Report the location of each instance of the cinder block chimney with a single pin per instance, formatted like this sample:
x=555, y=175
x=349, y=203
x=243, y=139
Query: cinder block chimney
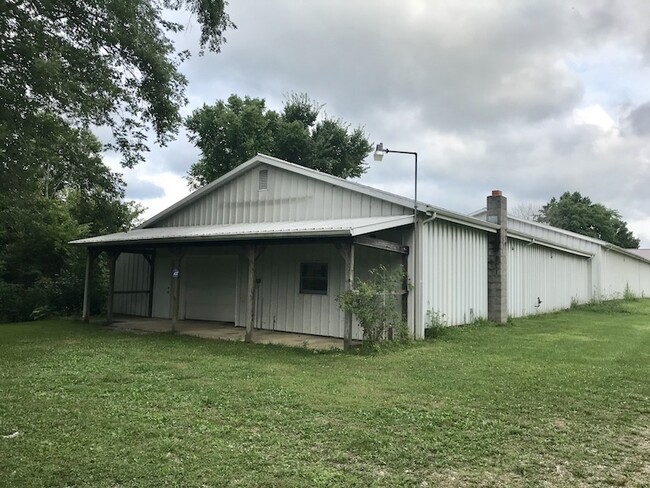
x=497, y=213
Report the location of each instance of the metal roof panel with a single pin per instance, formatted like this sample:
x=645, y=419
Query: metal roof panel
x=314, y=228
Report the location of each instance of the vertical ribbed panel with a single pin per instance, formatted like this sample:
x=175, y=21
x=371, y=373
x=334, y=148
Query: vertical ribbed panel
x=288, y=197
x=554, y=277
x=453, y=272
x=283, y=307
x=620, y=272
x=131, y=275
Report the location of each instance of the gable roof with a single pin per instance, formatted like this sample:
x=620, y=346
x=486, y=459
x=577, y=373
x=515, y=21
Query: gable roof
x=319, y=176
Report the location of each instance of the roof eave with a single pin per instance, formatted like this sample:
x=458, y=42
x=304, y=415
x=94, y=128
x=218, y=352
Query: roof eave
x=215, y=239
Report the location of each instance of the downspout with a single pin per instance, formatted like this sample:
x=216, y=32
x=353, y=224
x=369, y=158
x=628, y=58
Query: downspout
x=433, y=217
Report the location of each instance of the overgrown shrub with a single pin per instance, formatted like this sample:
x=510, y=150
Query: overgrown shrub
x=60, y=295
x=16, y=302
x=376, y=303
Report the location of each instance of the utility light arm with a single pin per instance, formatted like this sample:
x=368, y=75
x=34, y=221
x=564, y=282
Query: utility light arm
x=380, y=151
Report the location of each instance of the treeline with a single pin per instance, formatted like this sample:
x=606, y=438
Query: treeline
x=47, y=198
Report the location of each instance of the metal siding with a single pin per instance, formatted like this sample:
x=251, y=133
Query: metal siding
x=282, y=305
x=210, y=287
x=289, y=197
x=131, y=275
x=619, y=272
x=556, y=278
x=453, y=272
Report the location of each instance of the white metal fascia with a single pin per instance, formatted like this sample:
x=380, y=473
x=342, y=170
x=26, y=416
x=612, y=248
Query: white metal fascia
x=540, y=242
x=467, y=221
x=389, y=223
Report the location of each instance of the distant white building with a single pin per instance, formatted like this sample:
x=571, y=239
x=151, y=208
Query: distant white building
x=271, y=245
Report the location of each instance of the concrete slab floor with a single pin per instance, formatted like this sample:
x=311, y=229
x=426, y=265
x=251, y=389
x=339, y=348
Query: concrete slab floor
x=224, y=331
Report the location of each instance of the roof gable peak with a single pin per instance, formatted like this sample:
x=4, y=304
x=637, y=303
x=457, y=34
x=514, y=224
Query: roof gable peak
x=260, y=159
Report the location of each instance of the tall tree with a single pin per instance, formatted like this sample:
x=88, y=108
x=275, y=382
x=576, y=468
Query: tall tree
x=54, y=197
x=67, y=66
x=96, y=62
x=230, y=132
x=579, y=214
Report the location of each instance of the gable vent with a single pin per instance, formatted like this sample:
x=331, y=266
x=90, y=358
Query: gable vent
x=263, y=179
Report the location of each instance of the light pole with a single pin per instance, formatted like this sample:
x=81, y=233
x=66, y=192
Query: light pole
x=380, y=151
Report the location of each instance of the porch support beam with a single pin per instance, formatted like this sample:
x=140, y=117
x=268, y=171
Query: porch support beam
x=252, y=253
x=346, y=249
x=151, y=259
x=112, y=259
x=381, y=244
x=177, y=257
x=90, y=258
x=405, y=290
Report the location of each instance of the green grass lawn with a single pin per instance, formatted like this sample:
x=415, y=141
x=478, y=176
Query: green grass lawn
x=556, y=400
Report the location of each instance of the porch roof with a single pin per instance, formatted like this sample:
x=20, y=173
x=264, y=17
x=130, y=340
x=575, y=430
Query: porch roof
x=260, y=230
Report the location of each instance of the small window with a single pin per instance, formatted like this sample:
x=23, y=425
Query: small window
x=313, y=278
x=263, y=179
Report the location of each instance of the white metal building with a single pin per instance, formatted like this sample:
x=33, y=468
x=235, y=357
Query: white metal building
x=271, y=245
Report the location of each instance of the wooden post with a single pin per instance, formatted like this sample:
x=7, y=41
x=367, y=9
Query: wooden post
x=85, y=314
x=252, y=253
x=405, y=286
x=177, y=257
x=151, y=259
x=112, y=258
x=347, y=251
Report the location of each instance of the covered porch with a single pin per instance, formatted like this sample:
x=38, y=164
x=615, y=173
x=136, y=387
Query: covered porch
x=264, y=278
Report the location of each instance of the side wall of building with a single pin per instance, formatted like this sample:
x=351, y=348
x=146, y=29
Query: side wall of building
x=621, y=273
x=541, y=279
x=453, y=277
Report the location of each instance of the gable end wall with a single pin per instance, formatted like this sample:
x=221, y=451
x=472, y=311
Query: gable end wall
x=289, y=197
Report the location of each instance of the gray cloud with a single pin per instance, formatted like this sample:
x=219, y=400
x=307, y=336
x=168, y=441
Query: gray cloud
x=639, y=120
x=142, y=190
x=176, y=157
x=464, y=65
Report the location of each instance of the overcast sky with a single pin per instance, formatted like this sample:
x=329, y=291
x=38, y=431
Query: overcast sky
x=530, y=97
